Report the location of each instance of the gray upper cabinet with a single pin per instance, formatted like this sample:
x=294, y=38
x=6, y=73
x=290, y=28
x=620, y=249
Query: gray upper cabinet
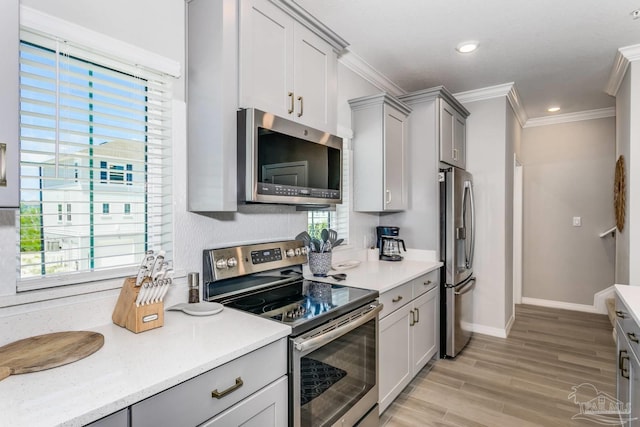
x=379, y=153
x=9, y=104
x=286, y=68
x=448, y=117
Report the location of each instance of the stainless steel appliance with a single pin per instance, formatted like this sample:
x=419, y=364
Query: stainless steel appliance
x=281, y=161
x=389, y=243
x=457, y=241
x=333, y=347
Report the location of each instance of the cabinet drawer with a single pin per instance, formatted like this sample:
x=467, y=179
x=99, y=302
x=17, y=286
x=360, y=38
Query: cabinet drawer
x=191, y=403
x=629, y=326
x=396, y=298
x=424, y=284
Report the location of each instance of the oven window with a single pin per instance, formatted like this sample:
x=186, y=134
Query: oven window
x=334, y=377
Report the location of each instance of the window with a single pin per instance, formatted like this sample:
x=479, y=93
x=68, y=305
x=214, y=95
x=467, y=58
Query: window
x=89, y=124
x=127, y=208
x=339, y=219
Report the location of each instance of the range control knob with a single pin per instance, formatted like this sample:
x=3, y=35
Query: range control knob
x=290, y=253
x=298, y=251
x=232, y=262
x=221, y=264
x=304, y=250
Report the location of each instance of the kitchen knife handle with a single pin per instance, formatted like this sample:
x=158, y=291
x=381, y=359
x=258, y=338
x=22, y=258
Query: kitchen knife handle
x=220, y=394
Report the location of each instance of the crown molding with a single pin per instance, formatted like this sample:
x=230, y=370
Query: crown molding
x=507, y=90
x=624, y=57
x=370, y=74
x=571, y=117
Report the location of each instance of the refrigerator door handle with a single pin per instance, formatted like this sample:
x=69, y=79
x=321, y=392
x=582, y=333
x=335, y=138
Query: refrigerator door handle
x=466, y=288
x=468, y=192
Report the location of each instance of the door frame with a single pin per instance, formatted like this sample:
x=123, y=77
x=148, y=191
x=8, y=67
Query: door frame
x=518, y=190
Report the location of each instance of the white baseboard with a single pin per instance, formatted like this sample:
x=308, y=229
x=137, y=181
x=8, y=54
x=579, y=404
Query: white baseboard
x=488, y=330
x=510, y=323
x=598, y=306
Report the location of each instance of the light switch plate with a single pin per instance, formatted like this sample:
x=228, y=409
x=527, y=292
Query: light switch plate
x=577, y=221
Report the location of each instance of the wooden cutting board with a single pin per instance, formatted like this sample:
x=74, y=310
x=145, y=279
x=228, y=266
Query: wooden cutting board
x=47, y=351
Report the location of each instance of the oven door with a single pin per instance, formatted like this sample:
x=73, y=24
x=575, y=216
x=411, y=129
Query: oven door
x=334, y=370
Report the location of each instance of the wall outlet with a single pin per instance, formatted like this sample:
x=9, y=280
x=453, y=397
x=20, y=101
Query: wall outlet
x=577, y=221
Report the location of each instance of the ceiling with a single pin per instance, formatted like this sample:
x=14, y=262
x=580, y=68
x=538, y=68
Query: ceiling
x=557, y=52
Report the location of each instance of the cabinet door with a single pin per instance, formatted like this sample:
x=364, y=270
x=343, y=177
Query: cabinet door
x=266, y=58
x=266, y=408
x=459, y=141
x=395, y=126
x=425, y=329
x=315, y=81
x=395, y=363
x=9, y=104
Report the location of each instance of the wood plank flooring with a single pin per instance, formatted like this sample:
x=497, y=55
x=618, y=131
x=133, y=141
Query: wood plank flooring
x=523, y=380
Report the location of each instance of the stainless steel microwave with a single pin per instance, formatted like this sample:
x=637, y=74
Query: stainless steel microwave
x=282, y=161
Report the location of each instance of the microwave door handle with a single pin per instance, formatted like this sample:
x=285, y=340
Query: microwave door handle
x=310, y=344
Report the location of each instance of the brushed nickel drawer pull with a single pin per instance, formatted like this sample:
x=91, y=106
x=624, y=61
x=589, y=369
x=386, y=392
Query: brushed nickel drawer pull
x=624, y=372
x=620, y=314
x=428, y=282
x=413, y=318
x=417, y=315
x=290, y=110
x=301, y=106
x=632, y=337
x=396, y=299
x=220, y=394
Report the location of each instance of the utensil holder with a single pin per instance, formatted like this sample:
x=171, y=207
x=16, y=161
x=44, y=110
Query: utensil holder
x=320, y=263
x=136, y=318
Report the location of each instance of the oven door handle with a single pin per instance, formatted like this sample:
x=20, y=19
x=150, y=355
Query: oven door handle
x=303, y=345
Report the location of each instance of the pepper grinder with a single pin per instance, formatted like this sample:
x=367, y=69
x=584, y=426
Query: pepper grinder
x=194, y=287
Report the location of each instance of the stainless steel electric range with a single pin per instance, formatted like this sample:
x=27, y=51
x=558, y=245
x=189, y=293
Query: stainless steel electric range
x=333, y=348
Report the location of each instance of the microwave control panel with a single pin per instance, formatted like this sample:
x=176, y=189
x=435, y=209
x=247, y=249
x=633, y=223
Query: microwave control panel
x=290, y=190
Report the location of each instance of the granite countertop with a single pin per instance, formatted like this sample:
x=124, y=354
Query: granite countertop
x=131, y=367
x=630, y=295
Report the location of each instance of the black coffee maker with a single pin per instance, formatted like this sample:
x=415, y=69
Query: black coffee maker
x=389, y=243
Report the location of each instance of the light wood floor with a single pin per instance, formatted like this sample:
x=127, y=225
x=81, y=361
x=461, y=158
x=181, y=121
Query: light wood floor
x=523, y=380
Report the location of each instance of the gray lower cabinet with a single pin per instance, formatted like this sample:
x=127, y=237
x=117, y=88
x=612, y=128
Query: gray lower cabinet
x=409, y=328
x=628, y=377
x=117, y=419
x=248, y=391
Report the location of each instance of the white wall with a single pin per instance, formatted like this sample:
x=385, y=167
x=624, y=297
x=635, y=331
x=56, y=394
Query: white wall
x=512, y=145
x=158, y=26
x=623, y=147
x=488, y=156
x=568, y=171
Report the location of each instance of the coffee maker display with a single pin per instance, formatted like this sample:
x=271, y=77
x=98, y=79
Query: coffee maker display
x=389, y=243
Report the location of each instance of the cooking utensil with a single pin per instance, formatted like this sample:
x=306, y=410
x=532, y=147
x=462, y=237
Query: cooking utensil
x=338, y=276
x=333, y=236
x=338, y=242
x=324, y=235
x=47, y=351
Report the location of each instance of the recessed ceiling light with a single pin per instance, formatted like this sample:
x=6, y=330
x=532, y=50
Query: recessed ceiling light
x=467, y=47
x=553, y=109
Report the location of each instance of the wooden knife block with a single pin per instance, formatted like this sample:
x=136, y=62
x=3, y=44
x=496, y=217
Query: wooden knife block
x=136, y=319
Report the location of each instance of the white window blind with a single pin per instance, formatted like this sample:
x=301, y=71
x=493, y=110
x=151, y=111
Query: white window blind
x=95, y=136
x=338, y=219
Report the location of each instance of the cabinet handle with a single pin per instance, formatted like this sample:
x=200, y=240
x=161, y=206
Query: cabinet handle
x=3, y=165
x=417, y=315
x=428, y=282
x=632, y=337
x=301, y=106
x=413, y=318
x=620, y=314
x=291, y=106
x=454, y=153
x=624, y=372
x=220, y=394
x=396, y=299
x=388, y=197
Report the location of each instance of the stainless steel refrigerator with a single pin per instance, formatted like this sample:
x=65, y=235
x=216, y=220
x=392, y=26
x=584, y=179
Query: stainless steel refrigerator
x=457, y=241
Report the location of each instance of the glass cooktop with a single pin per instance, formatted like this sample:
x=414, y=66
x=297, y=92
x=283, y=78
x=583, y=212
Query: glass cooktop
x=303, y=304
